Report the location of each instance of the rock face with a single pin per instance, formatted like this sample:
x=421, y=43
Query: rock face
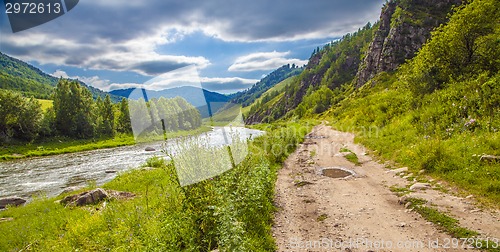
x=404, y=27
x=15, y=201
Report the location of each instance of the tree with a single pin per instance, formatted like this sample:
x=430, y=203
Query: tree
x=74, y=110
x=20, y=118
x=107, y=117
x=48, y=123
x=140, y=117
x=123, y=124
x=63, y=108
x=85, y=111
x=29, y=121
x=462, y=49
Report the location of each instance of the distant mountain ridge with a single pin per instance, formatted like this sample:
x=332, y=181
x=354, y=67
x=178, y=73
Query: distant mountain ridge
x=20, y=76
x=198, y=97
x=247, y=97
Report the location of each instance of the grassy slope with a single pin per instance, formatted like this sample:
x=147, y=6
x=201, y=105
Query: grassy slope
x=439, y=113
x=227, y=116
x=278, y=87
x=421, y=138
x=232, y=212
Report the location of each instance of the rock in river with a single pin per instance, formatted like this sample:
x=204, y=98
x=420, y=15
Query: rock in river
x=15, y=201
x=150, y=149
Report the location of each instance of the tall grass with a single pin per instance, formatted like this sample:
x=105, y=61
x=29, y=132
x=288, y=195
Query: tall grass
x=231, y=212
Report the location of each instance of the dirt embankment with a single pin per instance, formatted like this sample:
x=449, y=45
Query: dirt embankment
x=359, y=212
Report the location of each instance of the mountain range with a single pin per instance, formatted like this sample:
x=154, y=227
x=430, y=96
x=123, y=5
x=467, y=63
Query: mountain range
x=198, y=97
x=20, y=76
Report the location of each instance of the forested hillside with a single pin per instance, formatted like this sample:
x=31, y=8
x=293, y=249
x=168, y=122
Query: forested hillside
x=404, y=26
x=437, y=113
x=247, y=97
x=333, y=65
x=20, y=76
x=440, y=112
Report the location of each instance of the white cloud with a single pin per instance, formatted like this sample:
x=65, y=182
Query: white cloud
x=263, y=61
x=94, y=81
x=60, y=74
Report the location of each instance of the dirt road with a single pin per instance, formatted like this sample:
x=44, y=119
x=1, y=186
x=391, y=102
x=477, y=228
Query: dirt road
x=359, y=212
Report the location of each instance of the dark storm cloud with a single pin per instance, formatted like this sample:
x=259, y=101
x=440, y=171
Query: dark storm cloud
x=118, y=21
x=229, y=20
x=157, y=67
x=124, y=35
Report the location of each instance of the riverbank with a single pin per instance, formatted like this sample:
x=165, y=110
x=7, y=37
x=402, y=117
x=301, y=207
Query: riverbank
x=231, y=212
x=62, y=146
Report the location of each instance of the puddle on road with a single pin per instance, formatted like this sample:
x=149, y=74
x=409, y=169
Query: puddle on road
x=336, y=172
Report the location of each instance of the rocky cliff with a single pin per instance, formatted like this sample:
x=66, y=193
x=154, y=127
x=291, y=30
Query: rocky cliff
x=405, y=25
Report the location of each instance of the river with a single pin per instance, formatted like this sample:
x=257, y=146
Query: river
x=49, y=176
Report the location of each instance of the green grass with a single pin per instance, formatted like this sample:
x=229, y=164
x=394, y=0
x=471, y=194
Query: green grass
x=322, y=217
x=400, y=191
x=58, y=146
x=312, y=153
x=229, y=115
x=451, y=225
x=302, y=183
x=447, y=223
x=46, y=104
x=352, y=157
x=231, y=212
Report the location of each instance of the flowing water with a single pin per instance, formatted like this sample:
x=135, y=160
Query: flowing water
x=51, y=175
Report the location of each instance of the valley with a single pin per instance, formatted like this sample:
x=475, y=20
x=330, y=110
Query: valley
x=386, y=140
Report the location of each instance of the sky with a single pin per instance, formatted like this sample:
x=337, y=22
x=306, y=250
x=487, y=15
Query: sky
x=228, y=45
